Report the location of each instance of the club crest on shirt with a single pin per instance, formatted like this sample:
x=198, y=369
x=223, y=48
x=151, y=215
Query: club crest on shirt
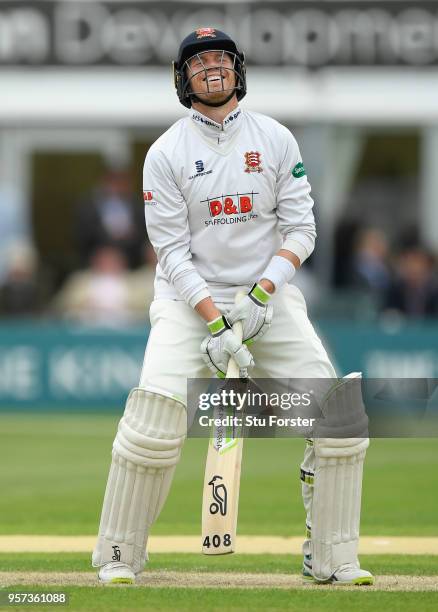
x=204, y=32
x=253, y=161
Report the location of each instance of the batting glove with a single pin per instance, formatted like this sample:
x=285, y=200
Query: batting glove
x=222, y=344
x=254, y=312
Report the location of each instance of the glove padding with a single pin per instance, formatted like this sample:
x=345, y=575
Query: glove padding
x=217, y=349
x=254, y=312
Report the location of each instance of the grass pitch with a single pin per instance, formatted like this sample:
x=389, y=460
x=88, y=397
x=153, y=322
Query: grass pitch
x=383, y=565
x=171, y=582
x=58, y=465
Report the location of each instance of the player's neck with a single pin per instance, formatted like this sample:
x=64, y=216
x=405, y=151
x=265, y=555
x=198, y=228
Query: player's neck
x=217, y=113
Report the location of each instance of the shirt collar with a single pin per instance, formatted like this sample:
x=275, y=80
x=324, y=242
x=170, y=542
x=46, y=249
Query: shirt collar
x=210, y=128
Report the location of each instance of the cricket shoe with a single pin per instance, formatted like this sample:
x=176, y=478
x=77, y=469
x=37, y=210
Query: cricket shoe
x=307, y=568
x=348, y=573
x=116, y=573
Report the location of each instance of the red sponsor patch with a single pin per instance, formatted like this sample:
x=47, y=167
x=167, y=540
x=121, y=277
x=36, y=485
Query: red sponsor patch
x=147, y=196
x=205, y=32
x=233, y=204
x=253, y=161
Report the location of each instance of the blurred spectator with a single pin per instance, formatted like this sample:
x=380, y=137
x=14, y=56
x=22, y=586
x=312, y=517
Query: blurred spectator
x=414, y=292
x=13, y=225
x=20, y=292
x=370, y=268
x=101, y=294
x=111, y=215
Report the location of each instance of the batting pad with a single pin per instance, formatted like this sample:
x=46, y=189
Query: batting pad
x=338, y=480
x=146, y=450
x=307, y=476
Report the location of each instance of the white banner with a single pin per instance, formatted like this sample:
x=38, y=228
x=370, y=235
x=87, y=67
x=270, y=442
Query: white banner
x=310, y=33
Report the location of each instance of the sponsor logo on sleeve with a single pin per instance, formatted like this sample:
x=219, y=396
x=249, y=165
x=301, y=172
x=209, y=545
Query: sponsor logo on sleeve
x=148, y=198
x=230, y=208
x=253, y=161
x=299, y=170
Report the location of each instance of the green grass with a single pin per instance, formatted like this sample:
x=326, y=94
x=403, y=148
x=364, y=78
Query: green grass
x=57, y=467
x=228, y=600
x=151, y=598
x=408, y=565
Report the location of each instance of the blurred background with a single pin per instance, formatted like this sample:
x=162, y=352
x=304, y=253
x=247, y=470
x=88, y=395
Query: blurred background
x=86, y=88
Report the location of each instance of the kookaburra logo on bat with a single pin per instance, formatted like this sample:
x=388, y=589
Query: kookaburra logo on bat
x=219, y=492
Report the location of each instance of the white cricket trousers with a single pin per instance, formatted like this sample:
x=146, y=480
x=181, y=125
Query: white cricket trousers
x=289, y=349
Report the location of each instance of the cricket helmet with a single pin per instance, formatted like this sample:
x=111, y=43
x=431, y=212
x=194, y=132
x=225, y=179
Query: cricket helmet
x=197, y=43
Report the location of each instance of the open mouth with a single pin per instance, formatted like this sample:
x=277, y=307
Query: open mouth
x=216, y=78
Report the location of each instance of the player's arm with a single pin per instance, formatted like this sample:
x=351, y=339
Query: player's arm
x=297, y=226
x=294, y=205
x=295, y=215
x=168, y=228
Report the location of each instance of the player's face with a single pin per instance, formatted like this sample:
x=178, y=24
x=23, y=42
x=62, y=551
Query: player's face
x=211, y=75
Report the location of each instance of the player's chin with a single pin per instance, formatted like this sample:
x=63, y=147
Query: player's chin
x=214, y=96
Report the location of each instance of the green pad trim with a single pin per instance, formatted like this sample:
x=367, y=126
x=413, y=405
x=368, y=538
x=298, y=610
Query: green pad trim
x=307, y=477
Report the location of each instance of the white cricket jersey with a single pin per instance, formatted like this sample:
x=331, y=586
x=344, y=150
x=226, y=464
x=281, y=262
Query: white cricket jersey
x=221, y=200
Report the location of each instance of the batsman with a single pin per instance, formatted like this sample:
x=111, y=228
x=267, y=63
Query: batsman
x=228, y=208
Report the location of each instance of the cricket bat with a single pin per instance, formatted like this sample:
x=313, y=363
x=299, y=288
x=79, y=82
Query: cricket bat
x=222, y=477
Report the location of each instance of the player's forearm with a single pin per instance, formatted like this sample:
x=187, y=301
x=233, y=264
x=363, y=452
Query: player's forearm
x=182, y=274
x=276, y=275
x=207, y=310
x=294, y=259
